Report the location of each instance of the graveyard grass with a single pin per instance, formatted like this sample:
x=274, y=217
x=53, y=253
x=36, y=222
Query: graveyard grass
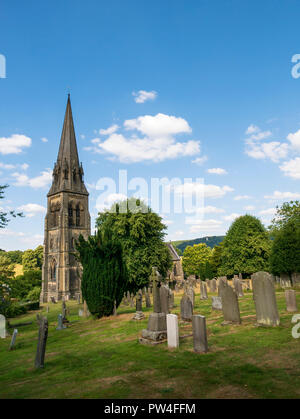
x=103, y=358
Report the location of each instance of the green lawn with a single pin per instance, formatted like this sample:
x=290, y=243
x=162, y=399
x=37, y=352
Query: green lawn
x=103, y=359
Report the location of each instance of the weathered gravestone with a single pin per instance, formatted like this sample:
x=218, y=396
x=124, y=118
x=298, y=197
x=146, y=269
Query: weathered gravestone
x=78, y=299
x=60, y=325
x=221, y=281
x=172, y=331
x=13, y=340
x=230, y=304
x=265, y=299
x=80, y=313
x=164, y=299
x=156, y=331
x=190, y=293
x=213, y=285
x=47, y=309
x=41, y=346
x=171, y=299
x=238, y=287
x=64, y=312
x=199, y=333
x=53, y=300
x=296, y=279
x=147, y=298
x=186, y=308
x=203, y=291
x=290, y=298
x=285, y=281
x=216, y=303
x=139, y=315
x=2, y=327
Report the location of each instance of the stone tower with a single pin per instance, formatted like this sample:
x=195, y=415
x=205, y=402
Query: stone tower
x=67, y=217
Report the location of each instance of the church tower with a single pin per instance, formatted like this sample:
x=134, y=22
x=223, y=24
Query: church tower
x=67, y=217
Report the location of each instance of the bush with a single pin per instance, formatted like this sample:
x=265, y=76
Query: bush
x=34, y=294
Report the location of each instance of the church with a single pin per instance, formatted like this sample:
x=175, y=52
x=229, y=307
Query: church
x=67, y=217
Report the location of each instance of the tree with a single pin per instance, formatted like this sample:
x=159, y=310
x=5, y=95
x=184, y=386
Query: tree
x=285, y=254
x=104, y=276
x=4, y=216
x=215, y=259
x=141, y=233
x=195, y=259
x=246, y=247
x=15, y=256
x=32, y=259
x=283, y=215
x=21, y=285
x=6, y=273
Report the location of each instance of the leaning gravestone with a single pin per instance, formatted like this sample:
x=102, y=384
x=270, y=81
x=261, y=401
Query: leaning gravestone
x=139, y=315
x=203, y=290
x=265, y=299
x=291, y=303
x=199, y=333
x=2, y=327
x=221, y=281
x=53, y=300
x=216, y=303
x=186, y=308
x=156, y=331
x=230, y=305
x=13, y=340
x=41, y=346
x=172, y=331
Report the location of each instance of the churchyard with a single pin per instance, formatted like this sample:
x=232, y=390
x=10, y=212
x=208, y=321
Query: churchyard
x=103, y=358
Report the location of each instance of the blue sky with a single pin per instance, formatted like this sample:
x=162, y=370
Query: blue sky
x=188, y=89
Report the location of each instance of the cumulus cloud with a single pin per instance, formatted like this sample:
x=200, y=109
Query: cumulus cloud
x=291, y=168
x=110, y=130
x=269, y=211
x=44, y=140
x=294, y=139
x=209, y=210
x=249, y=208
x=240, y=197
x=157, y=142
x=142, y=96
x=200, y=160
x=273, y=150
x=277, y=195
x=207, y=191
x=231, y=217
x=217, y=171
x=5, y=166
x=14, y=144
x=105, y=202
x=41, y=181
x=204, y=226
x=31, y=210
x=252, y=129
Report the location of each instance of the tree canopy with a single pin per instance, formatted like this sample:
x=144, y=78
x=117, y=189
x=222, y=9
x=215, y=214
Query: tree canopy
x=283, y=214
x=141, y=233
x=195, y=260
x=32, y=259
x=246, y=247
x=5, y=216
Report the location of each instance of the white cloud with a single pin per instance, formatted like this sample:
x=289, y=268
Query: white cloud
x=31, y=210
x=142, y=96
x=82, y=136
x=5, y=166
x=204, y=226
x=294, y=139
x=41, y=181
x=249, y=208
x=277, y=195
x=44, y=140
x=217, y=171
x=107, y=201
x=6, y=232
x=231, y=217
x=209, y=210
x=208, y=191
x=110, y=130
x=240, y=197
x=200, y=160
x=291, y=168
x=269, y=211
x=252, y=129
x=14, y=144
x=158, y=143
x=273, y=150
x=260, y=135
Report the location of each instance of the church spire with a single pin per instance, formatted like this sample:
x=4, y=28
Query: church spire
x=67, y=172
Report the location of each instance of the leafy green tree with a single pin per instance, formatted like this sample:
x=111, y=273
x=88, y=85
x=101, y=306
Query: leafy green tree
x=246, y=247
x=6, y=274
x=141, y=233
x=15, y=256
x=21, y=285
x=285, y=254
x=284, y=214
x=195, y=258
x=4, y=216
x=32, y=259
x=215, y=259
x=104, y=276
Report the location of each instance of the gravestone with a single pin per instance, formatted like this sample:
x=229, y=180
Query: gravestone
x=53, y=300
x=47, y=309
x=291, y=303
x=296, y=279
x=230, y=305
x=131, y=300
x=80, y=313
x=285, y=281
x=238, y=287
x=147, y=298
x=199, y=333
x=78, y=299
x=213, y=285
x=156, y=331
x=64, y=312
x=189, y=292
x=240, y=276
x=164, y=299
x=60, y=322
x=2, y=327
x=171, y=299
x=41, y=346
x=115, y=308
x=265, y=299
x=203, y=290
x=186, y=308
x=172, y=331
x=216, y=303
x=221, y=281
x=13, y=340
x=139, y=315
x=86, y=312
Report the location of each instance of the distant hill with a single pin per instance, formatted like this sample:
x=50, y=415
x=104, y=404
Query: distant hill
x=211, y=241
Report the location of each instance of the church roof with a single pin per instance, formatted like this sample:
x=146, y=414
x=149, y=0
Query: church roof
x=174, y=254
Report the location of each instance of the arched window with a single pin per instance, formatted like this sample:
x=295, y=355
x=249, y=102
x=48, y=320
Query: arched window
x=53, y=270
x=77, y=215
x=70, y=214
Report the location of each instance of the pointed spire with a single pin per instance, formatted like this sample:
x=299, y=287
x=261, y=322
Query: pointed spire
x=68, y=147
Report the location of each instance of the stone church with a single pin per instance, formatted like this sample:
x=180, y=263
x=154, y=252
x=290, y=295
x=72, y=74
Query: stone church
x=67, y=217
